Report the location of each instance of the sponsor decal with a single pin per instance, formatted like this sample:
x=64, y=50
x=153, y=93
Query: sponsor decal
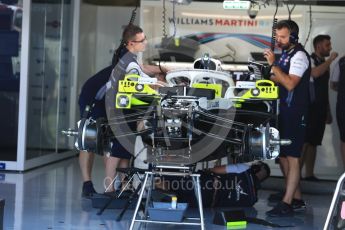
x=220, y=22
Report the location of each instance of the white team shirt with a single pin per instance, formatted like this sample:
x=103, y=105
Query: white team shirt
x=336, y=72
x=299, y=63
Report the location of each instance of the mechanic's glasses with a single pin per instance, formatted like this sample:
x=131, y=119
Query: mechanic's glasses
x=141, y=41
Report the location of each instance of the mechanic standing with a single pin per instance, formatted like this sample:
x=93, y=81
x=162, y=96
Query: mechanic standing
x=291, y=72
x=93, y=92
x=319, y=111
x=338, y=84
x=133, y=42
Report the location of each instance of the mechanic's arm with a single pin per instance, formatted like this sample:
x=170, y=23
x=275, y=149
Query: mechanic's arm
x=319, y=70
x=289, y=81
x=153, y=69
x=219, y=169
x=230, y=168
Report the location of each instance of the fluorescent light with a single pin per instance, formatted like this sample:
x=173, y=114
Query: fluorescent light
x=236, y=5
x=181, y=2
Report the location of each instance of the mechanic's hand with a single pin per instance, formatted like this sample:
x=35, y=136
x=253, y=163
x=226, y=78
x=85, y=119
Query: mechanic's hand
x=266, y=72
x=269, y=55
x=333, y=56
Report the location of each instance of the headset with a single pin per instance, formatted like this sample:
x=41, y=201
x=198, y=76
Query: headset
x=293, y=28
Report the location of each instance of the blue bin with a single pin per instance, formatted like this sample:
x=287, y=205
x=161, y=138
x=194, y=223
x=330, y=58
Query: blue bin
x=162, y=211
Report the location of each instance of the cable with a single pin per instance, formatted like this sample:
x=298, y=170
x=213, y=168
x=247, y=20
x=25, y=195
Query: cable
x=117, y=53
x=164, y=20
x=174, y=18
x=134, y=13
x=275, y=20
x=273, y=38
x=310, y=25
x=167, y=40
x=290, y=11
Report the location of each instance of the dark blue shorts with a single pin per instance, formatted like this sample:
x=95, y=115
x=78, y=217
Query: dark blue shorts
x=292, y=125
x=117, y=150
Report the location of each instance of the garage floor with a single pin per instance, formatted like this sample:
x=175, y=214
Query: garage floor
x=49, y=198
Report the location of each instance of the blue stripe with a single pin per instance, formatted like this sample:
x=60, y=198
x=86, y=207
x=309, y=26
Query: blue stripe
x=101, y=92
x=244, y=37
x=289, y=98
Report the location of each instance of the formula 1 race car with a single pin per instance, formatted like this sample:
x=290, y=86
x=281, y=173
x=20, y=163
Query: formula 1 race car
x=200, y=114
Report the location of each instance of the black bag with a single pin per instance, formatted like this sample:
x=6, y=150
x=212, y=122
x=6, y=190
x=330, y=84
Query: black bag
x=235, y=190
x=228, y=190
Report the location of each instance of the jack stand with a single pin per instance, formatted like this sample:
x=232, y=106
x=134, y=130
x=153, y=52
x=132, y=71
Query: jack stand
x=159, y=171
